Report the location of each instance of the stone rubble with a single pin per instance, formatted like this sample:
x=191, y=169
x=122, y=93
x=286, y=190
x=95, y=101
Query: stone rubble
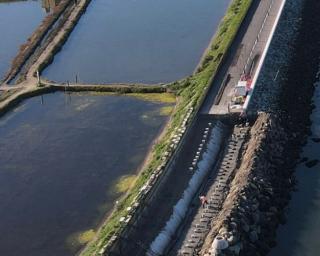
x=258, y=193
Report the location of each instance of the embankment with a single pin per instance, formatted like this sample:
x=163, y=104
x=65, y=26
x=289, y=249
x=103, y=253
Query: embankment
x=47, y=40
x=27, y=49
x=258, y=192
x=261, y=188
x=61, y=35
x=116, y=88
x=12, y=98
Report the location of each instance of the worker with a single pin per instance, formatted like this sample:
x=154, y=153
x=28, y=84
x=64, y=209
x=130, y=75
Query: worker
x=203, y=201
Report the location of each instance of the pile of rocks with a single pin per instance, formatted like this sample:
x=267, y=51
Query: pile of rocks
x=217, y=191
x=258, y=194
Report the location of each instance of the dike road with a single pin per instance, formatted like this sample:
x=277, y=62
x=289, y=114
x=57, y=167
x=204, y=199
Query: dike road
x=246, y=55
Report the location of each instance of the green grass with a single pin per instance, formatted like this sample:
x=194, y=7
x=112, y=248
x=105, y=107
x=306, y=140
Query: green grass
x=191, y=91
x=86, y=236
x=161, y=97
x=166, y=111
x=125, y=183
x=80, y=238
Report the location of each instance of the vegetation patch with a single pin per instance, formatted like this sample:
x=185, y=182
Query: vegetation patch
x=125, y=183
x=131, y=89
x=166, y=111
x=86, y=236
x=160, y=97
x=154, y=97
x=80, y=238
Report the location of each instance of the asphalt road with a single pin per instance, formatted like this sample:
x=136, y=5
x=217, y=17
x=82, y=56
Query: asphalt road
x=247, y=46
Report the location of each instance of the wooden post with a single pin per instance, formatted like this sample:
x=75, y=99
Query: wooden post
x=38, y=77
x=65, y=88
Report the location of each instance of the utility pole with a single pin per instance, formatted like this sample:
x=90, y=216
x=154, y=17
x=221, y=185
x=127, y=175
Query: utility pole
x=65, y=87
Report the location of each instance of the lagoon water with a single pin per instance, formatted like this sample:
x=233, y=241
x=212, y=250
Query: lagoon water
x=147, y=41
x=299, y=236
x=60, y=158
x=18, y=19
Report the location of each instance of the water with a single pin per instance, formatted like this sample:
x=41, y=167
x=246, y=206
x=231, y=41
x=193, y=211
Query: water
x=59, y=162
x=17, y=22
x=145, y=41
x=299, y=236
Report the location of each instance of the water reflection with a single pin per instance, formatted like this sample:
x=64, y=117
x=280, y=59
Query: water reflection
x=18, y=19
x=299, y=236
x=137, y=41
x=58, y=165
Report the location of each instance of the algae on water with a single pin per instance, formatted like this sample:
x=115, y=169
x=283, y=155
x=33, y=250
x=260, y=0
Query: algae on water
x=80, y=238
x=160, y=97
x=166, y=111
x=125, y=183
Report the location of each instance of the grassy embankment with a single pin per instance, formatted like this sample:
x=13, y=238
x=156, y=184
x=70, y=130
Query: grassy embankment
x=191, y=92
x=67, y=31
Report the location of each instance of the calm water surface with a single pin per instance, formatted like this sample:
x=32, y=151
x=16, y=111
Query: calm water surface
x=138, y=40
x=300, y=235
x=59, y=163
x=17, y=22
